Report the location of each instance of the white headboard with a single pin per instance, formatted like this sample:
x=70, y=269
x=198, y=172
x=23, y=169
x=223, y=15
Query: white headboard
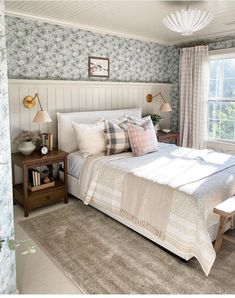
x=66, y=139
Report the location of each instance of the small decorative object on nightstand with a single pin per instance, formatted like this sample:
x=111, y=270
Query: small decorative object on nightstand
x=43, y=149
x=34, y=192
x=26, y=140
x=166, y=130
x=156, y=121
x=167, y=137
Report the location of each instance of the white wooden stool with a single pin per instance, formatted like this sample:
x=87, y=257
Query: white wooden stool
x=226, y=210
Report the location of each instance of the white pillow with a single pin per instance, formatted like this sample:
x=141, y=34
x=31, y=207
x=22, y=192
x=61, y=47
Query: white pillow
x=90, y=138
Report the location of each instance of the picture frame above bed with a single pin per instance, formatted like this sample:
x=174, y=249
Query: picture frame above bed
x=98, y=67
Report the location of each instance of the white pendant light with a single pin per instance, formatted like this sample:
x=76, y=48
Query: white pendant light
x=188, y=21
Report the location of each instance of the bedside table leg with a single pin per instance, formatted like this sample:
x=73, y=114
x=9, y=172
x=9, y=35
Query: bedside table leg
x=26, y=212
x=25, y=185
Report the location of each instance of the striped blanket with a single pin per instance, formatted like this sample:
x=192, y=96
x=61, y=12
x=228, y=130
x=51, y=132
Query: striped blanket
x=179, y=188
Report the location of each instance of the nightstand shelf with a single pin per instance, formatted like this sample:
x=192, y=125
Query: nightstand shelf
x=31, y=200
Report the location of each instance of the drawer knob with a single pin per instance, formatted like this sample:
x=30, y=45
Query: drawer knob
x=48, y=197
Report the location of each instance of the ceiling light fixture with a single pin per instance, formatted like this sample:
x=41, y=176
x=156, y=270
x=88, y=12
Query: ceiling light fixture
x=188, y=21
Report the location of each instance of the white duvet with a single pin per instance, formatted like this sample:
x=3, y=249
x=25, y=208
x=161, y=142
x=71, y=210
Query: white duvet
x=200, y=179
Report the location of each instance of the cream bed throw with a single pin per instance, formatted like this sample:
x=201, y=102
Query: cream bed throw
x=140, y=202
x=141, y=205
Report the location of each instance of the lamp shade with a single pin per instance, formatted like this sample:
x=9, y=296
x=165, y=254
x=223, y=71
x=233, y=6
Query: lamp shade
x=166, y=108
x=42, y=117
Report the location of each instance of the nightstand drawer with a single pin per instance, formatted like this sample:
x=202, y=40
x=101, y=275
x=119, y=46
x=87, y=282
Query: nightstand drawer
x=46, y=199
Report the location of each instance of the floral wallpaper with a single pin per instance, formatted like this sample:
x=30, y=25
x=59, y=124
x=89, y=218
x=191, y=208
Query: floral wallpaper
x=7, y=256
x=222, y=44
x=38, y=50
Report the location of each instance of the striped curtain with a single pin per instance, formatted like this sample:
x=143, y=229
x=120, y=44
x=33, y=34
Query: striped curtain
x=194, y=88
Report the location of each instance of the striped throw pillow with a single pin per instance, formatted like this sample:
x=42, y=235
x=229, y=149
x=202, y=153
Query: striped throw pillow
x=117, y=137
x=143, y=138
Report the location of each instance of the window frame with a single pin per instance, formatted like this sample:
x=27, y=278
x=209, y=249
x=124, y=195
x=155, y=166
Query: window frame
x=216, y=55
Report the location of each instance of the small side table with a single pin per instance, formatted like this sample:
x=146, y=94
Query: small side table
x=31, y=200
x=226, y=210
x=170, y=136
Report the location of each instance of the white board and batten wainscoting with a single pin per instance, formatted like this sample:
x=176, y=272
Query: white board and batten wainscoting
x=78, y=96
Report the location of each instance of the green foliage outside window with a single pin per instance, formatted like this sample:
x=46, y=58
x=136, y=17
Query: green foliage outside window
x=221, y=123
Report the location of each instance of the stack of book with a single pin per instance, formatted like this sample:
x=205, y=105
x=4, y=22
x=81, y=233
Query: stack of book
x=34, y=177
x=47, y=139
x=36, y=182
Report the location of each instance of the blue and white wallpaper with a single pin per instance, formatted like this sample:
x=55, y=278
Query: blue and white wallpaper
x=38, y=50
x=7, y=256
x=222, y=44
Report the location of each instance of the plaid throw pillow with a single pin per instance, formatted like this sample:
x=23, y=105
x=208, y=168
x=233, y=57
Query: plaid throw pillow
x=117, y=138
x=143, y=138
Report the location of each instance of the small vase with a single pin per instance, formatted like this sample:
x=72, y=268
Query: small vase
x=157, y=127
x=26, y=148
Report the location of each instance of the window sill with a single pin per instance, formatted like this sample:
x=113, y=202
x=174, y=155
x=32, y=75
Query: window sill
x=225, y=147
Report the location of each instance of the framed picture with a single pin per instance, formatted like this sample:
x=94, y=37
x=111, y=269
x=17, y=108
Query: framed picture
x=98, y=67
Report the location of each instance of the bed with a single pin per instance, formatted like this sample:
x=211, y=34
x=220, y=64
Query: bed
x=186, y=184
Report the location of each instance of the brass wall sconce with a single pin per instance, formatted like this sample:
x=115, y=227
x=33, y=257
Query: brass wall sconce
x=29, y=101
x=165, y=107
x=42, y=116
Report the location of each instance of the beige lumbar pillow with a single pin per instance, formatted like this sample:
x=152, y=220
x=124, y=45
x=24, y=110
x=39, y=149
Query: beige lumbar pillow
x=90, y=138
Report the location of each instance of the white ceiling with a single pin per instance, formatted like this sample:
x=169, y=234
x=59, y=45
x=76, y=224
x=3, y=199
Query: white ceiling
x=140, y=19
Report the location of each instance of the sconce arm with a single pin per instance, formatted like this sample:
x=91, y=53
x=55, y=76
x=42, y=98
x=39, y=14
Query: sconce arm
x=159, y=93
x=36, y=96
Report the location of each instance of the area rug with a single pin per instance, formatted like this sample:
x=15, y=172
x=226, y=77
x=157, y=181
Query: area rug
x=103, y=256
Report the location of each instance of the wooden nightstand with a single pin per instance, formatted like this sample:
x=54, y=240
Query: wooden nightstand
x=31, y=200
x=170, y=136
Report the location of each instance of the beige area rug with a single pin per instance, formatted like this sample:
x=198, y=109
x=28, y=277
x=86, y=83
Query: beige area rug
x=103, y=256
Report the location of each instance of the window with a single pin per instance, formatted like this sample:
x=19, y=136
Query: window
x=221, y=103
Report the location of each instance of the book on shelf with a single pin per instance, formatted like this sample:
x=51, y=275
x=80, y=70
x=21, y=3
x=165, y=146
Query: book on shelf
x=34, y=177
x=30, y=176
x=38, y=178
x=47, y=139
